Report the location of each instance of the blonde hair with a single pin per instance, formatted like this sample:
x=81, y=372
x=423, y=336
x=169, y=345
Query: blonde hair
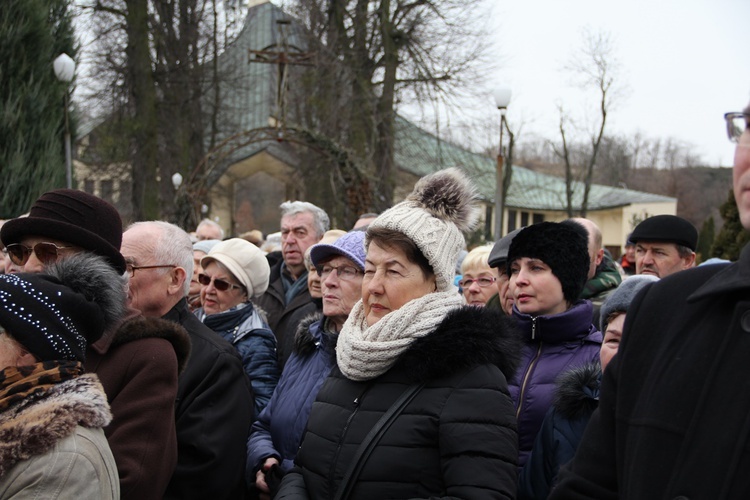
x=478, y=258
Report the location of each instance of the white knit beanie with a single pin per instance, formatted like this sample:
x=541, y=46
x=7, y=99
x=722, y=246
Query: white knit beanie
x=245, y=261
x=434, y=216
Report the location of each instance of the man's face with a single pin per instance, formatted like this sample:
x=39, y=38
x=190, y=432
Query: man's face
x=741, y=174
x=207, y=232
x=660, y=259
x=34, y=264
x=630, y=253
x=195, y=287
x=148, y=289
x=297, y=235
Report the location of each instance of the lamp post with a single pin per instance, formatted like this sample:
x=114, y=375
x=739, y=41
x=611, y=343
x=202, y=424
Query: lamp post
x=65, y=69
x=502, y=99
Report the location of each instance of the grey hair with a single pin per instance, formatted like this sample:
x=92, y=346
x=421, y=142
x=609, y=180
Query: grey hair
x=209, y=222
x=93, y=277
x=321, y=222
x=173, y=246
x=683, y=251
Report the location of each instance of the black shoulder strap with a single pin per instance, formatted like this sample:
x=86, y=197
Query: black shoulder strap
x=372, y=438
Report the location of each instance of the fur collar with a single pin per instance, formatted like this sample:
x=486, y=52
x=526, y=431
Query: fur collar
x=468, y=336
x=141, y=327
x=577, y=393
x=35, y=425
x=305, y=341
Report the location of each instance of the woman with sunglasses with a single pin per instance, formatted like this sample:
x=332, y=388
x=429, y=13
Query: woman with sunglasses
x=477, y=277
x=234, y=272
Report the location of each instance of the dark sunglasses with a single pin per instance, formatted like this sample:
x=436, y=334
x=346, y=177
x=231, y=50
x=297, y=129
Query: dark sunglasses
x=220, y=284
x=47, y=253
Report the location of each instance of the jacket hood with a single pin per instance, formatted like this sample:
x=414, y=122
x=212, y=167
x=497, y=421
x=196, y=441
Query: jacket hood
x=577, y=392
x=306, y=338
x=36, y=424
x=468, y=336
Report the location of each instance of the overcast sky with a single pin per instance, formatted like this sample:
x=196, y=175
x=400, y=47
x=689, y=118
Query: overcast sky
x=685, y=63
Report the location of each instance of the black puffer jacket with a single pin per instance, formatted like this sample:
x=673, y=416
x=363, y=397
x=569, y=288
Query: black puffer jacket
x=457, y=438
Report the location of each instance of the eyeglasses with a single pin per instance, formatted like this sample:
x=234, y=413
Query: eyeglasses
x=47, y=253
x=220, y=284
x=132, y=268
x=345, y=273
x=736, y=125
x=482, y=282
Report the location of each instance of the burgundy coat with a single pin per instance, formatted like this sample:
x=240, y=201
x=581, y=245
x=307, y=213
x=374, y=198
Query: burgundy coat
x=138, y=364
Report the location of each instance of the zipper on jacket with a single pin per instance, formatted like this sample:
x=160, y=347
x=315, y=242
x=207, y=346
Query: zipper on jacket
x=533, y=328
x=526, y=376
x=341, y=440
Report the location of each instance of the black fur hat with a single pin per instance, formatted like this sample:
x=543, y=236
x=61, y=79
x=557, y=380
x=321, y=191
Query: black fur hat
x=561, y=247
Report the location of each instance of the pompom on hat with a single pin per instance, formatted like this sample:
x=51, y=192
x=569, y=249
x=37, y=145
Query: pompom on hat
x=562, y=247
x=246, y=262
x=434, y=216
x=74, y=217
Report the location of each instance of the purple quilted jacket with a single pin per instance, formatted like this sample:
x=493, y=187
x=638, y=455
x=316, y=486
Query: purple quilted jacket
x=553, y=345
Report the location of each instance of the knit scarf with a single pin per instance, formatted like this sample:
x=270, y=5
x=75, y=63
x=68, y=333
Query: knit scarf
x=365, y=352
x=18, y=382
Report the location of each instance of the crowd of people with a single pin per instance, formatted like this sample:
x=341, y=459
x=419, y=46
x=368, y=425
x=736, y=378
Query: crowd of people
x=381, y=362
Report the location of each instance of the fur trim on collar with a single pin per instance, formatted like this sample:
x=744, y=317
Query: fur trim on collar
x=141, y=327
x=468, y=336
x=577, y=393
x=304, y=341
x=35, y=425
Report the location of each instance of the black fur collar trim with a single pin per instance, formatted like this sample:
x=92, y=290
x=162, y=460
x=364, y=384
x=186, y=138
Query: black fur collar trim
x=467, y=337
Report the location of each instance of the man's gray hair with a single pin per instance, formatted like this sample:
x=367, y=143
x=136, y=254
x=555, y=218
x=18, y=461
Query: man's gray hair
x=173, y=246
x=213, y=224
x=321, y=222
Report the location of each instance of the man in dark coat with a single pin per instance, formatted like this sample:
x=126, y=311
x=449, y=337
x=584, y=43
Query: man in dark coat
x=302, y=225
x=672, y=418
x=214, y=407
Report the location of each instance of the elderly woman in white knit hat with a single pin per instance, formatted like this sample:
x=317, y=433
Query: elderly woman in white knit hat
x=234, y=272
x=418, y=405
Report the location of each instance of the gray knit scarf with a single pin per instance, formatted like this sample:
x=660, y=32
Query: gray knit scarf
x=364, y=353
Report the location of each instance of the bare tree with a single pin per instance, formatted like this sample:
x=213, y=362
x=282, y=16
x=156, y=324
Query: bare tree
x=152, y=61
x=381, y=53
x=593, y=67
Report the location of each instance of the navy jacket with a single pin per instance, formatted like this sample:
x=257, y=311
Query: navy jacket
x=576, y=398
x=279, y=428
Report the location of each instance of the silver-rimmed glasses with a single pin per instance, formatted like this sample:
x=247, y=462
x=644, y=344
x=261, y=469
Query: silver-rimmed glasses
x=737, y=124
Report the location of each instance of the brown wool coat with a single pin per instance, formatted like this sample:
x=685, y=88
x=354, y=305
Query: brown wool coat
x=138, y=364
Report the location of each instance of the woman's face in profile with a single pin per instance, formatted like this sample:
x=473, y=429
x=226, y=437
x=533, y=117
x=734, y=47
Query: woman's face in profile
x=390, y=282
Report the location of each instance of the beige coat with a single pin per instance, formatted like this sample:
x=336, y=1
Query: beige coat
x=52, y=444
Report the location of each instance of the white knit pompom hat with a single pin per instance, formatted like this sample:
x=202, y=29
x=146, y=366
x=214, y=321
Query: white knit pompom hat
x=434, y=216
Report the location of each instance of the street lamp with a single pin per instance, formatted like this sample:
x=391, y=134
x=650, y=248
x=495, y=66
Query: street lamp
x=177, y=180
x=502, y=99
x=65, y=69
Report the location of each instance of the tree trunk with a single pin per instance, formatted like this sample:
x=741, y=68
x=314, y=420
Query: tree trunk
x=143, y=93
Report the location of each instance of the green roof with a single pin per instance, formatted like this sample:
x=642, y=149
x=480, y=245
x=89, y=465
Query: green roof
x=419, y=152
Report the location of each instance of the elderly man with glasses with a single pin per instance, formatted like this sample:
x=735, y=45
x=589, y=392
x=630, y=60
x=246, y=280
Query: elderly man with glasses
x=214, y=408
x=672, y=417
x=137, y=361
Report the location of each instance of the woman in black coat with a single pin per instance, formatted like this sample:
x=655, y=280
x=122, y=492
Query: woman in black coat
x=457, y=436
